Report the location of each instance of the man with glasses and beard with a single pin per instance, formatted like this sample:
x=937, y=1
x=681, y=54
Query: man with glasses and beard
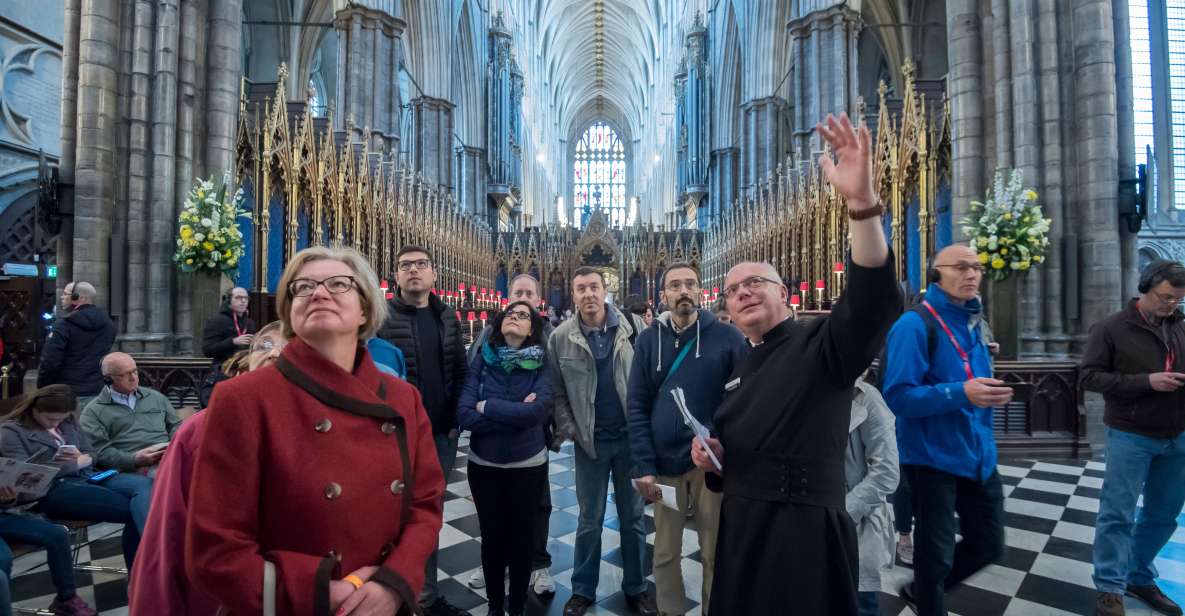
x=786, y=544
x=688, y=348
x=1136, y=359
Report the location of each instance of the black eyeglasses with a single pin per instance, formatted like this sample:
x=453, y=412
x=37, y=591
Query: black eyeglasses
x=752, y=283
x=304, y=287
x=420, y=264
x=518, y=315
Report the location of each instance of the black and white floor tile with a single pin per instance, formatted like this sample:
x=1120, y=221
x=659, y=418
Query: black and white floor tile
x=1046, y=571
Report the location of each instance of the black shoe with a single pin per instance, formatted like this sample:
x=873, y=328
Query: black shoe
x=1155, y=599
x=642, y=604
x=496, y=611
x=906, y=594
x=577, y=606
x=443, y=608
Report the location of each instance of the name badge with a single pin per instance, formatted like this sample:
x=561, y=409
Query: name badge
x=733, y=384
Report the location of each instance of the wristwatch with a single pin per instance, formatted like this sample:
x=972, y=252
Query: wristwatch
x=865, y=214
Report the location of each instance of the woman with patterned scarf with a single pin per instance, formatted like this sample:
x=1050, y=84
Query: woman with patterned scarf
x=506, y=401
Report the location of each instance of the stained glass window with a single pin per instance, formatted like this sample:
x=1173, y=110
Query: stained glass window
x=598, y=175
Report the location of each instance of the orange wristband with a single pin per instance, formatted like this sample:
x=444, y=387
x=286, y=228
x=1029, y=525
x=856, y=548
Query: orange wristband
x=353, y=579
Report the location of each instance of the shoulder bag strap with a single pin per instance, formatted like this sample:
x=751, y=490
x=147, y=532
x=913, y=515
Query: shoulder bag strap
x=678, y=362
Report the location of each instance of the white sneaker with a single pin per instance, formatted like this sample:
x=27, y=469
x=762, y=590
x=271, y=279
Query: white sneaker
x=478, y=579
x=542, y=583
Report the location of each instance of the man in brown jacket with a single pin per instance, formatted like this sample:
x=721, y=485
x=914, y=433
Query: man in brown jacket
x=1136, y=359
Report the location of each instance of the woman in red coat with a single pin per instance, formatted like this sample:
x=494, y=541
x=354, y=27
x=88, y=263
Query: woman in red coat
x=321, y=466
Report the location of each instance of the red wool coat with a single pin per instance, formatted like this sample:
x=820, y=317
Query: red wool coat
x=303, y=465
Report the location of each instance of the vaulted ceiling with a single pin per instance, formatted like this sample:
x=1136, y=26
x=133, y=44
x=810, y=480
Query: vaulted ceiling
x=599, y=55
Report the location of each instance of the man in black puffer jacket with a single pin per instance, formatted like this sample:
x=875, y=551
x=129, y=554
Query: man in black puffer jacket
x=76, y=345
x=427, y=332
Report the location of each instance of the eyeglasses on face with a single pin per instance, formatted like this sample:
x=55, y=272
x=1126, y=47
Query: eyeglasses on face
x=120, y=375
x=264, y=345
x=518, y=315
x=675, y=286
x=964, y=268
x=304, y=287
x=420, y=264
x=752, y=283
x=1169, y=298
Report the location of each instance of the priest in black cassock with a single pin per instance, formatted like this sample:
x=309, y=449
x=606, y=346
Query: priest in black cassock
x=786, y=544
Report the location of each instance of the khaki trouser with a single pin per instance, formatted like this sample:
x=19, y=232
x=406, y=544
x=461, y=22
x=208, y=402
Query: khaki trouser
x=668, y=539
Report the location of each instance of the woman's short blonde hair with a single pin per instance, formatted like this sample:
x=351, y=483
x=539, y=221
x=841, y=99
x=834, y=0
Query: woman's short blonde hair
x=374, y=305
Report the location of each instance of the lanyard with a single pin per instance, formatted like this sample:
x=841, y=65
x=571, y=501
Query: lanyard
x=1170, y=356
x=235, y=317
x=951, y=335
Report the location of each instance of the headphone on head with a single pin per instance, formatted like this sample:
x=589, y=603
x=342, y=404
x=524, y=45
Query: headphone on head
x=74, y=295
x=933, y=276
x=1151, y=274
x=107, y=380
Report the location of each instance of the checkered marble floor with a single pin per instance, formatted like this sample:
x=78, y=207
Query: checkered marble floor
x=1050, y=512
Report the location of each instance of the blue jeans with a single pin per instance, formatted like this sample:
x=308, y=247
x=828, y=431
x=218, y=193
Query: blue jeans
x=5, y=591
x=122, y=499
x=867, y=603
x=1124, y=544
x=592, y=488
x=446, y=450
x=29, y=530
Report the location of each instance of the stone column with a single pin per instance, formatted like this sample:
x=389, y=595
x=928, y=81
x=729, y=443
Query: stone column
x=1097, y=146
x=766, y=137
x=965, y=90
x=97, y=116
x=368, y=73
x=724, y=181
x=471, y=179
x=68, y=161
x=825, y=79
x=431, y=139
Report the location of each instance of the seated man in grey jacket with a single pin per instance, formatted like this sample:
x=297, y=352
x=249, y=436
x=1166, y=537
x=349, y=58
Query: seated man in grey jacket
x=129, y=425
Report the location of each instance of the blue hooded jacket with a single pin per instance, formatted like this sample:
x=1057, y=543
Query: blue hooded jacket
x=937, y=426
x=509, y=430
x=660, y=443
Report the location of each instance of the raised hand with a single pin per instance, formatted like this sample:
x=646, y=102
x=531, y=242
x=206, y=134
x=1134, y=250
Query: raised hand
x=851, y=172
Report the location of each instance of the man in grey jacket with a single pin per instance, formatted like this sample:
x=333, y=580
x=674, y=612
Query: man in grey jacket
x=129, y=425
x=593, y=354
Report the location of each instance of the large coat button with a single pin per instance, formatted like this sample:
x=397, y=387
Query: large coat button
x=323, y=426
x=387, y=427
x=396, y=486
x=333, y=491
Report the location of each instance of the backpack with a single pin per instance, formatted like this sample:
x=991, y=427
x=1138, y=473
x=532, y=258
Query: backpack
x=931, y=343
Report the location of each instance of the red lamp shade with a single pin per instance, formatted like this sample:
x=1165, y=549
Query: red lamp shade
x=505, y=302
x=804, y=286
x=715, y=290
x=390, y=295
x=795, y=300
x=483, y=290
x=839, y=267
x=471, y=315
x=458, y=315
x=483, y=315
x=819, y=284
x=460, y=286
x=383, y=284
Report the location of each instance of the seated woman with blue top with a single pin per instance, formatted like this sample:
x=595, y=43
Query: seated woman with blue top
x=504, y=405
x=43, y=428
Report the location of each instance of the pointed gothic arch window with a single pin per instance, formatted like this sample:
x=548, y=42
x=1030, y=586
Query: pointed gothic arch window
x=598, y=175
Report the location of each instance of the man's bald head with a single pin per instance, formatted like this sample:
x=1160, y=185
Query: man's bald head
x=114, y=363
x=86, y=293
x=120, y=370
x=756, y=298
x=959, y=272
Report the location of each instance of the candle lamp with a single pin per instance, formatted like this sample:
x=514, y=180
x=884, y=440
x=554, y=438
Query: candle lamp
x=804, y=289
x=838, y=274
x=795, y=304
x=820, y=288
x=471, y=319
x=483, y=319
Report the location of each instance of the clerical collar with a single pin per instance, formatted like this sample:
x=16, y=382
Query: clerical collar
x=769, y=334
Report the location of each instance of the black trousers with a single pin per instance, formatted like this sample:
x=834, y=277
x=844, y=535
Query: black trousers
x=507, y=500
x=940, y=564
x=541, y=559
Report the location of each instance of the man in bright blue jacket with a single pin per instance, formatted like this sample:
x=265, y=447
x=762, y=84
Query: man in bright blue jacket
x=686, y=347
x=937, y=380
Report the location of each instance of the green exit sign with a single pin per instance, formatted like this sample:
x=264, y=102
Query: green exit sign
x=51, y=271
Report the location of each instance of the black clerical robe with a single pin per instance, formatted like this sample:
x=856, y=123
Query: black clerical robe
x=786, y=544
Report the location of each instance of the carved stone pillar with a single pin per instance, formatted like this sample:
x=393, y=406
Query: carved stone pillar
x=824, y=80
x=368, y=76
x=431, y=139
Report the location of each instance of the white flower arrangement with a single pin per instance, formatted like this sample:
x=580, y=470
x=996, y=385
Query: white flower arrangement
x=1008, y=230
x=208, y=236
